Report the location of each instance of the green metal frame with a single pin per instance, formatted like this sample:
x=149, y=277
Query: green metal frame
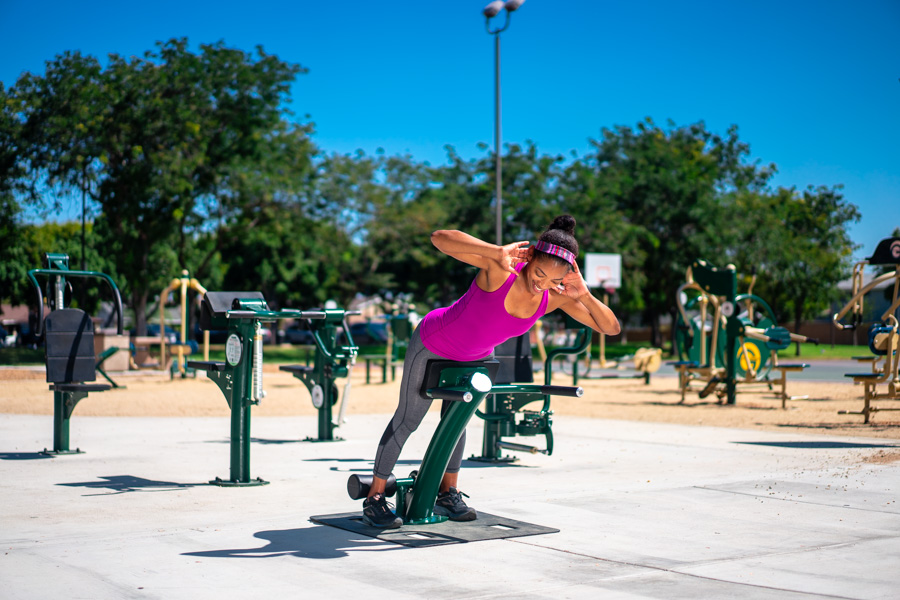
x=417, y=493
x=505, y=402
x=331, y=361
x=235, y=381
x=64, y=402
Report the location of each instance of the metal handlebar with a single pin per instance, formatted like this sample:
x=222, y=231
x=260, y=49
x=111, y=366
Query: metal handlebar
x=63, y=273
x=272, y=315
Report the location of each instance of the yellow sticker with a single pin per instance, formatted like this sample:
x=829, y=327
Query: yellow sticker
x=749, y=352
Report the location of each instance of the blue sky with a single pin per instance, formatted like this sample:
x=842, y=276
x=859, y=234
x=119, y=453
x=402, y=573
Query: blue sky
x=814, y=86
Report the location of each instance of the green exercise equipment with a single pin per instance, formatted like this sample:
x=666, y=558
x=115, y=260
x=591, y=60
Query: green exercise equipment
x=724, y=338
x=331, y=361
x=466, y=384
x=69, y=344
x=240, y=376
x=882, y=382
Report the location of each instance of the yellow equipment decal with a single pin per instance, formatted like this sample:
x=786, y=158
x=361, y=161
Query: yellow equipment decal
x=751, y=352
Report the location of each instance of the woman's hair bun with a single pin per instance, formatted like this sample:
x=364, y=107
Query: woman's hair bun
x=565, y=223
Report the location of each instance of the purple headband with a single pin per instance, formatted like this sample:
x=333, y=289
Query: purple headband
x=556, y=251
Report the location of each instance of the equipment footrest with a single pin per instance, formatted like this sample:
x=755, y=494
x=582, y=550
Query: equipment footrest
x=80, y=387
x=206, y=365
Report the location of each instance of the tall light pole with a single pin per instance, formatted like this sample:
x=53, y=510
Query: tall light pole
x=490, y=11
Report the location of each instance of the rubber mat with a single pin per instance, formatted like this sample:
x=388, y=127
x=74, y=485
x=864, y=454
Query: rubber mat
x=485, y=527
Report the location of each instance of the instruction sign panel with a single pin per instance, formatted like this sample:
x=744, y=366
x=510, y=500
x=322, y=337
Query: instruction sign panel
x=603, y=270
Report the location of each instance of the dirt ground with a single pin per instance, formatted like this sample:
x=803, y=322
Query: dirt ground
x=147, y=393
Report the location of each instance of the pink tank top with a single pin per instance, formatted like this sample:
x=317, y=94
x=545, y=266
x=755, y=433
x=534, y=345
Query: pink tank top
x=471, y=327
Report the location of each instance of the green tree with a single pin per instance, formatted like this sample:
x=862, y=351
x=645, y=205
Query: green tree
x=672, y=186
x=13, y=266
x=153, y=140
x=800, y=247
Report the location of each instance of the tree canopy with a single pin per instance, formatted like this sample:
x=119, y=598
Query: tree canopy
x=192, y=160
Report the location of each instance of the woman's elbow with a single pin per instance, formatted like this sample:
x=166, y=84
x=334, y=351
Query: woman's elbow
x=613, y=327
x=440, y=237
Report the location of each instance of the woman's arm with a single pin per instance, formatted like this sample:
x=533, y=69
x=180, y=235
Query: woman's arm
x=478, y=253
x=576, y=300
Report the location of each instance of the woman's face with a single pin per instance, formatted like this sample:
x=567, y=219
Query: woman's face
x=543, y=274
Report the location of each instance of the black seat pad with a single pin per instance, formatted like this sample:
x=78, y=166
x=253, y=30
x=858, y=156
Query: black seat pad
x=69, y=342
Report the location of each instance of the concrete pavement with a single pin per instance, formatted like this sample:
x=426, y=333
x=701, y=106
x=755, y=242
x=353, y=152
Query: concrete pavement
x=644, y=511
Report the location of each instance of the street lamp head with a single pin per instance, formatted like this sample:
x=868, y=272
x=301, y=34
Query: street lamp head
x=513, y=5
x=494, y=8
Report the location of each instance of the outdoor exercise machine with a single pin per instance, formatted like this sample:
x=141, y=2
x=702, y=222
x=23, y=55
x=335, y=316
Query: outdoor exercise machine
x=504, y=413
x=240, y=376
x=463, y=386
x=69, y=344
x=883, y=334
x=724, y=338
x=184, y=347
x=645, y=361
x=332, y=360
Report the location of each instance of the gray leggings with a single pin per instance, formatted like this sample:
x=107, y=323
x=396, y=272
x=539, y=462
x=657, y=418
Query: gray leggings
x=411, y=410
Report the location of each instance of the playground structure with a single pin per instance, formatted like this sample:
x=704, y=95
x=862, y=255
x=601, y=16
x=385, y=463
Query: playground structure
x=465, y=385
x=882, y=382
x=724, y=338
x=69, y=345
x=332, y=360
x=185, y=346
x=240, y=377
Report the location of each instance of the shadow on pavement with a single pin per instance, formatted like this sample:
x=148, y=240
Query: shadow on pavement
x=120, y=484
x=311, y=542
x=818, y=444
x=23, y=456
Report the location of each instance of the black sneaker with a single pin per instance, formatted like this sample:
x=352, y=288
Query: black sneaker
x=450, y=504
x=377, y=513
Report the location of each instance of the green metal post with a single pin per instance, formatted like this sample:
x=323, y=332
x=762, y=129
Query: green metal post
x=723, y=282
x=240, y=410
x=63, y=405
x=490, y=452
x=436, y=459
x=323, y=376
x=60, y=423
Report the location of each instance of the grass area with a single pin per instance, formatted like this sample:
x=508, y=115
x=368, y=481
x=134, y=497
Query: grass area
x=302, y=354
x=21, y=356
x=825, y=352
x=807, y=351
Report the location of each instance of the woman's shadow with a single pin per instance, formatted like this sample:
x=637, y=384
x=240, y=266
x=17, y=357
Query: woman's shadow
x=308, y=542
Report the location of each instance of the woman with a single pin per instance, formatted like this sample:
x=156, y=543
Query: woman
x=514, y=287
